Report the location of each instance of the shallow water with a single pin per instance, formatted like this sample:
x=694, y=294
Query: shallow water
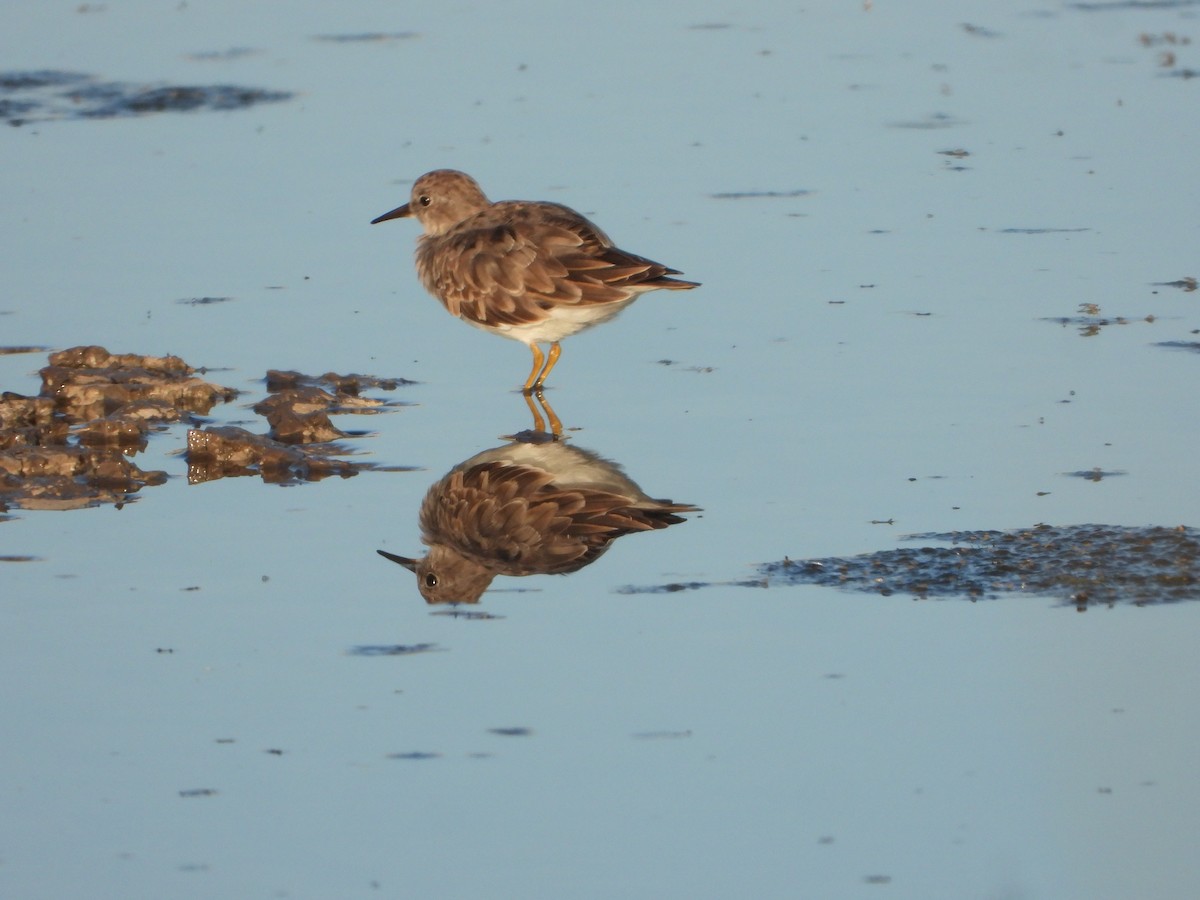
x=944, y=257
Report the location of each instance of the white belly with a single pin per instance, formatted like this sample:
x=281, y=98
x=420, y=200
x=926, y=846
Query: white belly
x=562, y=322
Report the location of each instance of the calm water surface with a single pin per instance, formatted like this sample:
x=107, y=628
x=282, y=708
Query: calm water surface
x=202, y=690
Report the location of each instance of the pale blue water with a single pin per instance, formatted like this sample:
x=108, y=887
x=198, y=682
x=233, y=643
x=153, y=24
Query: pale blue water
x=869, y=349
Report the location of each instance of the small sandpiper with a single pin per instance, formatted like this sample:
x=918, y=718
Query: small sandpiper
x=532, y=506
x=532, y=271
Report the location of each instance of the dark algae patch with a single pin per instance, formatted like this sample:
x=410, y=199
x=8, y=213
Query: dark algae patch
x=1081, y=564
x=46, y=95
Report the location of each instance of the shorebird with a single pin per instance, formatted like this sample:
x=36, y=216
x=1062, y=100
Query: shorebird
x=532, y=271
x=532, y=506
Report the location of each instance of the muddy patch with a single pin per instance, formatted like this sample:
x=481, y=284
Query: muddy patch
x=48, y=95
x=1083, y=565
x=302, y=443
x=72, y=445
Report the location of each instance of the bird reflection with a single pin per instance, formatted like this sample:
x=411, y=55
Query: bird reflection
x=536, y=505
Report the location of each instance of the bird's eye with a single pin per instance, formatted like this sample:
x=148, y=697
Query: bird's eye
x=430, y=580
x=424, y=200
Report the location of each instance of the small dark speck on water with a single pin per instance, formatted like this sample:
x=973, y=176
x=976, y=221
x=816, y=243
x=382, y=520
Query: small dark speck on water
x=202, y=301
x=414, y=754
x=878, y=879
x=1096, y=474
x=198, y=792
x=366, y=37
x=393, y=649
x=1179, y=345
x=1042, y=230
x=752, y=195
x=979, y=31
x=1184, y=284
x=514, y=731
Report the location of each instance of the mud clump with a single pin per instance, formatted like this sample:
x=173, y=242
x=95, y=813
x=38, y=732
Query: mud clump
x=69, y=446
x=229, y=452
x=301, y=444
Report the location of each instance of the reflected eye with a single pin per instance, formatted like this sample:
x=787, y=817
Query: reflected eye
x=424, y=200
x=430, y=580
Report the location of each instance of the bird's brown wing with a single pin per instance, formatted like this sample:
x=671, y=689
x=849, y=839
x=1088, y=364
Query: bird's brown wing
x=510, y=263
x=515, y=521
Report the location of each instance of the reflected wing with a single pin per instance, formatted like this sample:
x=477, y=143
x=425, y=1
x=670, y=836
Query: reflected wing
x=513, y=519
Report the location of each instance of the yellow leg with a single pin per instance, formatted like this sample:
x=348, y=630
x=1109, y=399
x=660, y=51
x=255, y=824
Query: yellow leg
x=555, y=422
x=536, y=401
x=539, y=423
x=538, y=359
x=551, y=359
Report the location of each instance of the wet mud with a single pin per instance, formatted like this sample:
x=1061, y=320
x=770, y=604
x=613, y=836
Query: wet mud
x=302, y=443
x=49, y=95
x=1083, y=565
x=72, y=445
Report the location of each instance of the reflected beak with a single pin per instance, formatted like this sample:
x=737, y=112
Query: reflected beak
x=410, y=564
x=399, y=212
